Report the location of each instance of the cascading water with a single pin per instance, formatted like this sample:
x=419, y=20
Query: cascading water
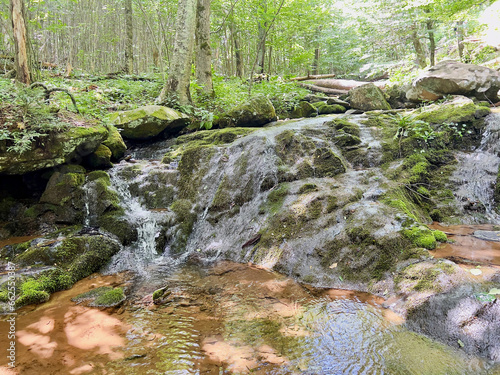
x=146, y=252
x=476, y=174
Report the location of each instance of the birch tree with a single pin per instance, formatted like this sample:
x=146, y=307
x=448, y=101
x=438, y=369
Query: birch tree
x=176, y=88
x=20, y=41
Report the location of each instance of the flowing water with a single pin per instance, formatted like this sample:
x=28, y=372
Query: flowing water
x=476, y=174
x=224, y=317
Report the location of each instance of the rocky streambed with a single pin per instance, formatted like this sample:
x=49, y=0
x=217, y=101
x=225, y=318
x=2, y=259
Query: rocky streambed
x=331, y=202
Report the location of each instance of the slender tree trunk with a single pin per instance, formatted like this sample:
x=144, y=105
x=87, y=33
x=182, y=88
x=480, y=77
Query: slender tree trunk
x=237, y=51
x=261, y=42
x=460, y=39
x=20, y=41
x=176, y=88
x=129, y=45
x=432, y=41
x=203, y=50
x=315, y=63
x=419, y=49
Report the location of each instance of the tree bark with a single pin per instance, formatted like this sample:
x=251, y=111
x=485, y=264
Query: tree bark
x=261, y=43
x=315, y=63
x=129, y=44
x=237, y=51
x=203, y=50
x=176, y=88
x=432, y=41
x=20, y=41
x=460, y=39
x=419, y=49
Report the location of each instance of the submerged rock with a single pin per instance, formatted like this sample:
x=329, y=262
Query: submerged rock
x=455, y=78
x=255, y=112
x=148, y=122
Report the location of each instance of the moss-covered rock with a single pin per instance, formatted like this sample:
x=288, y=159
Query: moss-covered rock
x=304, y=109
x=368, y=97
x=327, y=109
x=457, y=110
x=327, y=164
x=256, y=112
x=115, y=143
x=65, y=261
x=69, y=146
x=345, y=125
x=148, y=122
x=422, y=236
x=100, y=158
x=64, y=196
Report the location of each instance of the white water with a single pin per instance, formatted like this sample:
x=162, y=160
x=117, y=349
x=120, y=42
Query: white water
x=476, y=174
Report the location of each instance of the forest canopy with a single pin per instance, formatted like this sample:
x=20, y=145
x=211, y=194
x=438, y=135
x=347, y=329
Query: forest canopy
x=364, y=39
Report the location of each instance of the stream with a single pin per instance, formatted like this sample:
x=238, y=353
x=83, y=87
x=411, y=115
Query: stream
x=221, y=317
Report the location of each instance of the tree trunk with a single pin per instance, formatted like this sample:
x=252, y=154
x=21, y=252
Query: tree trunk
x=314, y=67
x=237, y=51
x=460, y=39
x=432, y=41
x=261, y=42
x=203, y=51
x=176, y=88
x=129, y=44
x=20, y=41
x=419, y=49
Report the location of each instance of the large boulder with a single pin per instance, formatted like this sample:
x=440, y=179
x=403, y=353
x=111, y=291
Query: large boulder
x=148, y=122
x=257, y=111
x=455, y=78
x=368, y=98
x=58, y=148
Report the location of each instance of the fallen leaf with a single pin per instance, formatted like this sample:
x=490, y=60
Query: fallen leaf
x=334, y=265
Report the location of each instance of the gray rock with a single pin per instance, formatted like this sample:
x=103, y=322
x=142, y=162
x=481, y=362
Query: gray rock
x=258, y=111
x=368, y=98
x=455, y=78
x=148, y=122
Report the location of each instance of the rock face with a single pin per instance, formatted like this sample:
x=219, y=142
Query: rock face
x=115, y=143
x=368, y=98
x=148, y=122
x=257, y=111
x=455, y=78
x=59, y=148
x=468, y=318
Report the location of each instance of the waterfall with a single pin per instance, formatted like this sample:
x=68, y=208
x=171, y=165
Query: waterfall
x=476, y=174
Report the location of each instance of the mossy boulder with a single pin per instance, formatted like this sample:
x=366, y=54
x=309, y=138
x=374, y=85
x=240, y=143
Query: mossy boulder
x=69, y=146
x=368, y=97
x=326, y=109
x=304, y=109
x=64, y=195
x=115, y=143
x=100, y=158
x=422, y=236
x=457, y=110
x=147, y=122
x=256, y=112
x=62, y=262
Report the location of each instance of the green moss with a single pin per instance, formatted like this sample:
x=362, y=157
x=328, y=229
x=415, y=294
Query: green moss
x=185, y=218
x=307, y=188
x=115, y=143
x=327, y=164
x=439, y=236
x=91, y=294
x=304, y=109
x=331, y=203
x=110, y=298
x=113, y=223
x=314, y=209
x=344, y=125
x=71, y=260
x=276, y=197
x=157, y=294
x=423, y=277
x=421, y=236
x=100, y=158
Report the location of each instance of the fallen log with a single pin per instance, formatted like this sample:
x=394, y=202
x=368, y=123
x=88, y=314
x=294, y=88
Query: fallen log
x=324, y=90
x=309, y=77
x=343, y=84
